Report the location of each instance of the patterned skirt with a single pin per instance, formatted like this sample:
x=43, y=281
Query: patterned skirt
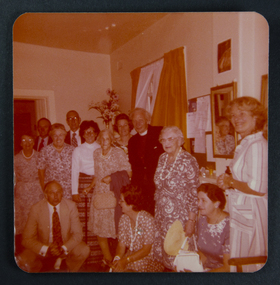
x=90, y=239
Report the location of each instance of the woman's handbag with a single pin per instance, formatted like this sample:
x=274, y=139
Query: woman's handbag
x=105, y=200
x=188, y=260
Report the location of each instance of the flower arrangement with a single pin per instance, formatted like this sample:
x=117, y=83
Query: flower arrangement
x=108, y=109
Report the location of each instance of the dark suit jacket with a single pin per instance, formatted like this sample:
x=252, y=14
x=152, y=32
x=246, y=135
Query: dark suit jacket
x=37, y=229
x=37, y=140
x=68, y=138
x=153, y=150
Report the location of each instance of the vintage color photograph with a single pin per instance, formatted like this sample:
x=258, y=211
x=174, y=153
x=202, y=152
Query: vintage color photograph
x=112, y=164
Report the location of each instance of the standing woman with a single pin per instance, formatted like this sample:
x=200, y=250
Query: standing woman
x=82, y=176
x=27, y=185
x=55, y=161
x=247, y=199
x=123, y=127
x=176, y=181
x=107, y=160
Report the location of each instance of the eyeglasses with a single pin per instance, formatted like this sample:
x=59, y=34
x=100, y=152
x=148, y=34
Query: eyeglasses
x=167, y=140
x=89, y=133
x=73, y=119
x=25, y=140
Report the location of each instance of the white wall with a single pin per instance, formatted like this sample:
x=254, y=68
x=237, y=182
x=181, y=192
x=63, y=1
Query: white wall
x=75, y=78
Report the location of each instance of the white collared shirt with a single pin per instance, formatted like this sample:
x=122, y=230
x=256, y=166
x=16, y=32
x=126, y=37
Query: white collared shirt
x=77, y=137
x=44, y=248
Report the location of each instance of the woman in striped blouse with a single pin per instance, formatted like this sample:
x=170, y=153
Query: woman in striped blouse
x=247, y=185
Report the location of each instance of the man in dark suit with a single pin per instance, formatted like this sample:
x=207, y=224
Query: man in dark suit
x=144, y=150
x=73, y=121
x=51, y=239
x=43, y=127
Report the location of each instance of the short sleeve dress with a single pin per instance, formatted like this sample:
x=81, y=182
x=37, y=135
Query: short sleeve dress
x=27, y=188
x=213, y=241
x=175, y=196
x=57, y=166
x=134, y=239
x=101, y=221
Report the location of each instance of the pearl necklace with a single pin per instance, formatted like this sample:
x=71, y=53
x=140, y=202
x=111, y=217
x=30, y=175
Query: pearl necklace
x=136, y=231
x=106, y=156
x=27, y=157
x=172, y=167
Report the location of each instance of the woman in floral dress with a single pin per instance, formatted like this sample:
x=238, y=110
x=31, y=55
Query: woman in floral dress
x=136, y=235
x=107, y=160
x=27, y=186
x=176, y=180
x=213, y=229
x=55, y=161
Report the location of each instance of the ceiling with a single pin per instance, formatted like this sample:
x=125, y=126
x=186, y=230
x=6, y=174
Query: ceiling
x=88, y=32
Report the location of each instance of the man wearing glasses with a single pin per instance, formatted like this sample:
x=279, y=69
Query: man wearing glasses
x=73, y=121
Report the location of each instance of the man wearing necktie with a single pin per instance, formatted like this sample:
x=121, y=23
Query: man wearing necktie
x=53, y=232
x=73, y=136
x=43, y=127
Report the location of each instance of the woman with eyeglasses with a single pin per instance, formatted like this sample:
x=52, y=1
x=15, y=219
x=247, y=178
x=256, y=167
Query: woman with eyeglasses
x=176, y=179
x=27, y=186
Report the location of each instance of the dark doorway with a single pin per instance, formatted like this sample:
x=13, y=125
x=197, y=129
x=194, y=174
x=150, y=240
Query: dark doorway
x=24, y=121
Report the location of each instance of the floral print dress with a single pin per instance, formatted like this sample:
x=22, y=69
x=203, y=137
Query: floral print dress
x=213, y=241
x=27, y=188
x=102, y=221
x=58, y=166
x=175, y=196
x=134, y=239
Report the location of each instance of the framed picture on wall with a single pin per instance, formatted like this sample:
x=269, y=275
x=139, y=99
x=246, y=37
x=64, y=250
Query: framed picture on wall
x=224, y=136
x=224, y=56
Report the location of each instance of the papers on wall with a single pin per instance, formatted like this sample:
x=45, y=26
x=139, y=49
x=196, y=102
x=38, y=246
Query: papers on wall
x=199, y=122
x=209, y=148
x=203, y=112
x=191, y=126
x=199, y=146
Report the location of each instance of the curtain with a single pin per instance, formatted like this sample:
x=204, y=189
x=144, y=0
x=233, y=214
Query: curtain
x=171, y=102
x=135, y=74
x=148, y=86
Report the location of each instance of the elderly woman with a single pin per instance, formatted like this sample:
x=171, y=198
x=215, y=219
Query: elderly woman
x=136, y=235
x=107, y=160
x=213, y=228
x=27, y=185
x=176, y=180
x=123, y=127
x=247, y=199
x=55, y=161
x=225, y=142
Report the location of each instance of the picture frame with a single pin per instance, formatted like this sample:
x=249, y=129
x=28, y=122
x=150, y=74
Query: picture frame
x=223, y=134
x=224, y=56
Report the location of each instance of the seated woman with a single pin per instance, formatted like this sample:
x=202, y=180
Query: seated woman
x=213, y=229
x=136, y=235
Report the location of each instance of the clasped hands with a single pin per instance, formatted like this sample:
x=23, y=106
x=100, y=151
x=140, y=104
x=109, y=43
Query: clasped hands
x=55, y=251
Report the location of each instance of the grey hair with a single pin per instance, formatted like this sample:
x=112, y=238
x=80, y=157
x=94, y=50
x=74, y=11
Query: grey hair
x=175, y=130
x=57, y=126
x=145, y=112
x=105, y=131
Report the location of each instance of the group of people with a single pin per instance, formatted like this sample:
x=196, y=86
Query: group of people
x=138, y=186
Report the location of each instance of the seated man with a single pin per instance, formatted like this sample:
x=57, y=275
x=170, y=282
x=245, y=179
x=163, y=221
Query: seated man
x=53, y=232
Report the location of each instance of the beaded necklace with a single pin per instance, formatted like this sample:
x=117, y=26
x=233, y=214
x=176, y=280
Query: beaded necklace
x=172, y=167
x=28, y=157
x=136, y=231
x=106, y=155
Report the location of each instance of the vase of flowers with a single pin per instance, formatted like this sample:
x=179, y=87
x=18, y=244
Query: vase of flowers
x=108, y=109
